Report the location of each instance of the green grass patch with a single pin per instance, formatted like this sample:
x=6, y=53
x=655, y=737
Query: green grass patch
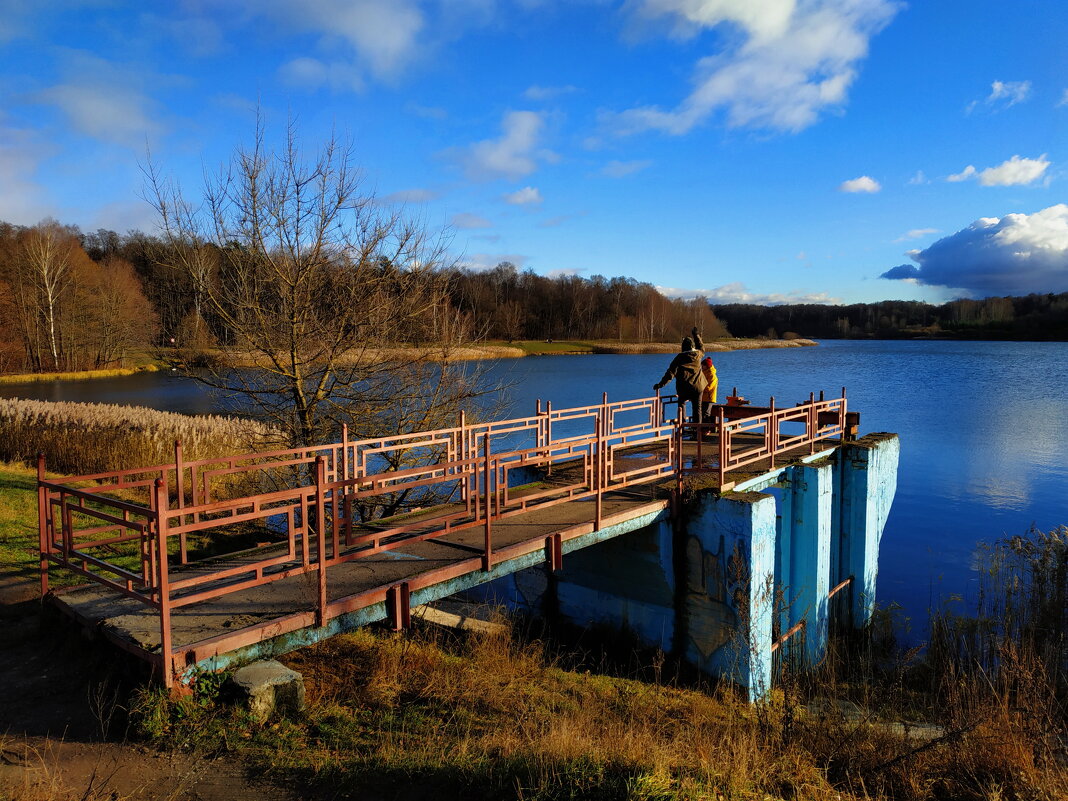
x=18, y=520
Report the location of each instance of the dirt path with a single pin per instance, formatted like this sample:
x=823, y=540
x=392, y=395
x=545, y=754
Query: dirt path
x=61, y=736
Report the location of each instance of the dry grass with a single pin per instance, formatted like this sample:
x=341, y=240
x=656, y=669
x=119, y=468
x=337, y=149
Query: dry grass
x=80, y=375
x=490, y=717
x=85, y=438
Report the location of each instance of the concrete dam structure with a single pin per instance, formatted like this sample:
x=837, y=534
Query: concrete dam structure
x=722, y=540
x=728, y=579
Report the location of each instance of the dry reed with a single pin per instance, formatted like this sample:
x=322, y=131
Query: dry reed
x=85, y=438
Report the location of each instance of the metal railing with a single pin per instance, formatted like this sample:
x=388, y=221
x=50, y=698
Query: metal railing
x=131, y=530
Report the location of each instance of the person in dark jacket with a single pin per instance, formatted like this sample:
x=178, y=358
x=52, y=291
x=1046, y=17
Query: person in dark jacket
x=685, y=368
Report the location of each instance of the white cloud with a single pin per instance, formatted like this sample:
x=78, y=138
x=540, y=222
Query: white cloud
x=543, y=93
x=1014, y=172
x=383, y=37
x=1012, y=255
x=919, y=179
x=792, y=60
x=620, y=169
x=512, y=155
x=963, y=175
x=487, y=261
x=411, y=196
x=311, y=73
x=737, y=292
x=916, y=233
x=524, y=197
x=1064, y=99
x=23, y=200
x=862, y=184
x=1004, y=94
x=104, y=100
x=467, y=221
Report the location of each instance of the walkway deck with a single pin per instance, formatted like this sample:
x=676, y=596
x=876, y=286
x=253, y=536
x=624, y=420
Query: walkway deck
x=181, y=614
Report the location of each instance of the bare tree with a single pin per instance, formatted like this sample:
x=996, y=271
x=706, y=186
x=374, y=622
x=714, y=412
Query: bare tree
x=333, y=305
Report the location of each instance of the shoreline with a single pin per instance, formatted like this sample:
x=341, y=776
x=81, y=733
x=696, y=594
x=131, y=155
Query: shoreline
x=490, y=350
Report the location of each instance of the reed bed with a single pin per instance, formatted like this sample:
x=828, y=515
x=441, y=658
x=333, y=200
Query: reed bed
x=86, y=438
x=79, y=375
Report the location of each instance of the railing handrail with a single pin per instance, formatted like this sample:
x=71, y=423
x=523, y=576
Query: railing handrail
x=338, y=478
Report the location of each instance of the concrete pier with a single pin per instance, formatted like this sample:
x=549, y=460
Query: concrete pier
x=706, y=585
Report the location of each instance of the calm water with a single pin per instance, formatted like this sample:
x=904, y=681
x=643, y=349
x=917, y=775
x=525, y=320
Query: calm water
x=983, y=425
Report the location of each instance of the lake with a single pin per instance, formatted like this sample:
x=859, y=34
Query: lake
x=983, y=425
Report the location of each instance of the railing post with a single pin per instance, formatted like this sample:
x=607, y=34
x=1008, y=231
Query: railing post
x=842, y=416
x=42, y=522
x=465, y=485
x=179, y=486
x=724, y=444
x=773, y=432
x=487, y=556
x=320, y=538
x=346, y=492
x=163, y=587
x=548, y=434
x=812, y=424
x=599, y=462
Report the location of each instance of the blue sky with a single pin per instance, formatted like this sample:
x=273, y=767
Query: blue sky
x=755, y=150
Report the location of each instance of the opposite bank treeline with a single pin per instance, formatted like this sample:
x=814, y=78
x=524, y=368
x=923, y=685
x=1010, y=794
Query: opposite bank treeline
x=71, y=300
x=1034, y=317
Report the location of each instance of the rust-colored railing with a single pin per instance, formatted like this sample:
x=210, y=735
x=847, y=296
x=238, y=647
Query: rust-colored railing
x=127, y=529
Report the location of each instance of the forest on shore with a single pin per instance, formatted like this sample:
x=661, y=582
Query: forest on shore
x=1032, y=317
x=73, y=300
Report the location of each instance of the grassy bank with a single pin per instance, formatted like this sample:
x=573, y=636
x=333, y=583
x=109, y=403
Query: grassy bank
x=491, y=717
x=560, y=347
x=80, y=375
x=84, y=438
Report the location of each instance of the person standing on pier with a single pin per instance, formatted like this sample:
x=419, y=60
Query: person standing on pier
x=685, y=368
x=708, y=397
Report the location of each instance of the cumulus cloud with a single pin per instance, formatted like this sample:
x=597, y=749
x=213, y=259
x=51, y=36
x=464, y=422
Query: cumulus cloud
x=1004, y=94
x=919, y=179
x=737, y=292
x=103, y=100
x=1014, y=172
x=380, y=37
x=543, y=93
x=411, y=196
x=788, y=61
x=1011, y=255
x=467, y=221
x=621, y=169
x=862, y=184
x=513, y=154
x=524, y=197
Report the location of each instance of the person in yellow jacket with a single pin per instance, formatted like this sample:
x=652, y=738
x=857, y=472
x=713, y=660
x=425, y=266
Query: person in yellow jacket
x=708, y=397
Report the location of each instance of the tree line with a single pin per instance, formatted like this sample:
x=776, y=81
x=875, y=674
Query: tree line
x=73, y=300
x=1030, y=317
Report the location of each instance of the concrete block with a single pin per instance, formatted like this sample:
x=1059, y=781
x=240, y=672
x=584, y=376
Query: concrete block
x=269, y=688
x=806, y=592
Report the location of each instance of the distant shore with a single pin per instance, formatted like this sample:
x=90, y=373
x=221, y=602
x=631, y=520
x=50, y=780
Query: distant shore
x=488, y=350
x=503, y=350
